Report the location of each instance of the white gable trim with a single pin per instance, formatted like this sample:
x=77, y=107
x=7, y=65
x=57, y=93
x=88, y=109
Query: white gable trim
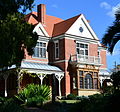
x=40, y=27
x=89, y=27
x=74, y=29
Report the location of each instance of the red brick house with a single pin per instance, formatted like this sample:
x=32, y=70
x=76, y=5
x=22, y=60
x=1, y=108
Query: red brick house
x=69, y=49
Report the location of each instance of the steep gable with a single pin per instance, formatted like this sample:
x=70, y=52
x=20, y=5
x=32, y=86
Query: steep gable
x=63, y=26
x=82, y=28
x=39, y=29
x=32, y=18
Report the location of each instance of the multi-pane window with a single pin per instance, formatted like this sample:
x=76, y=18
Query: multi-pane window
x=40, y=50
x=81, y=79
x=82, y=49
x=95, y=82
x=56, y=50
x=88, y=82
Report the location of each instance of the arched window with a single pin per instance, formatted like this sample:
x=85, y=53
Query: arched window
x=88, y=82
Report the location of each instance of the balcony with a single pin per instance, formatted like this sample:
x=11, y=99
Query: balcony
x=86, y=59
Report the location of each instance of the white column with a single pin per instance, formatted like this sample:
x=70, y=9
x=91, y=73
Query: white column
x=5, y=76
x=59, y=77
x=41, y=77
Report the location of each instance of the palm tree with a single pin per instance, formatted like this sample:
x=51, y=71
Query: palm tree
x=112, y=36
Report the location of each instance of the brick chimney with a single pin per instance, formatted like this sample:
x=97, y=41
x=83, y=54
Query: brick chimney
x=41, y=11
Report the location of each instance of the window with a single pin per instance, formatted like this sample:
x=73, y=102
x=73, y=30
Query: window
x=56, y=49
x=81, y=79
x=74, y=83
x=82, y=49
x=88, y=82
x=95, y=83
x=81, y=83
x=40, y=50
x=98, y=53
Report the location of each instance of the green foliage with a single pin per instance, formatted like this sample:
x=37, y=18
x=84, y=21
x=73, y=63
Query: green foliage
x=14, y=6
x=34, y=95
x=116, y=80
x=71, y=97
x=15, y=36
x=15, y=33
x=108, y=90
x=112, y=36
x=9, y=105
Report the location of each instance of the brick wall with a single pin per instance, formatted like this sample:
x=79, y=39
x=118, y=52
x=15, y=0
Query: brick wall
x=103, y=58
x=93, y=50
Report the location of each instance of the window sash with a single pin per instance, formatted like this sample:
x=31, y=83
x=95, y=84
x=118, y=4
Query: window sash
x=82, y=49
x=40, y=50
x=56, y=50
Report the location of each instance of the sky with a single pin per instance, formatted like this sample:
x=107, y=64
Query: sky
x=100, y=13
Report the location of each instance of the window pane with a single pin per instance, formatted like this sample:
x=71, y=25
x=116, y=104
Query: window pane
x=86, y=52
x=44, y=44
x=74, y=83
x=95, y=84
x=82, y=52
x=86, y=46
x=56, y=44
x=95, y=74
x=56, y=52
x=88, y=81
x=40, y=50
x=81, y=73
x=81, y=45
x=44, y=52
x=77, y=44
x=41, y=44
x=78, y=52
x=81, y=82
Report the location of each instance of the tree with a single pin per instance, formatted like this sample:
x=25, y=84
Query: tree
x=112, y=35
x=14, y=6
x=16, y=34
x=116, y=80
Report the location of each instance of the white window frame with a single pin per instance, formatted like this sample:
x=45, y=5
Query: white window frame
x=39, y=50
x=82, y=48
x=56, y=55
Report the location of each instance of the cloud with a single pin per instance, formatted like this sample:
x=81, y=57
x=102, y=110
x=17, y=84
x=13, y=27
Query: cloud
x=105, y=5
x=113, y=10
x=54, y=6
x=110, y=9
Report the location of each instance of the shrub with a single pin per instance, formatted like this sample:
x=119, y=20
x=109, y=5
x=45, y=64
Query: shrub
x=10, y=105
x=34, y=95
x=71, y=97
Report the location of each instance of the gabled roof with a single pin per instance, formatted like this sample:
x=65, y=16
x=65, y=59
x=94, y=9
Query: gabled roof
x=50, y=21
x=63, y=26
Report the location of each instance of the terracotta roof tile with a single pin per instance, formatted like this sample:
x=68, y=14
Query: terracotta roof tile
x=63, y=26
x=54, y=26
x=50, y=21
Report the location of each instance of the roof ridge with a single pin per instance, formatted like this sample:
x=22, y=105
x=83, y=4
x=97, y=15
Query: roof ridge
x=69, y=19
x=63, y=26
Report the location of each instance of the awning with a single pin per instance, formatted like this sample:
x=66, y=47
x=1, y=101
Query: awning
x=104, y=72
x=40, y=68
